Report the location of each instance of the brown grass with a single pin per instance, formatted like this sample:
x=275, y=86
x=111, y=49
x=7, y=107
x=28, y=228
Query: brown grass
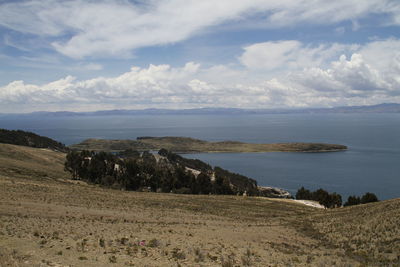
x=47, y=220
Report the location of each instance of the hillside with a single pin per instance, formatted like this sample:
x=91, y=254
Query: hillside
x=23, y=138
x=191, y=145
x=33, y=163
x=47, y=219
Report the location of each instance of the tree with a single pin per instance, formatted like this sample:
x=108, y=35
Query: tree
x=73, y=163
x=129, y=153
x=369, y=197
x=204, y=182
x=335, y=200
x=323, y=197
x=131, y=176
x=133, y=170
x=366, y=198
x=182, y=177
x=167, y=180
x=352, y=200
x=303, y=193
x=194, y=185
x=222, y=185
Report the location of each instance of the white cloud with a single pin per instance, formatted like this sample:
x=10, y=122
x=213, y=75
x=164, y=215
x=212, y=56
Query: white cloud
x=370, y=75
x=374, y=70
x=383, y=54
x=345, y=78
x=326, y=12
x=114, y=27
x=290, y=55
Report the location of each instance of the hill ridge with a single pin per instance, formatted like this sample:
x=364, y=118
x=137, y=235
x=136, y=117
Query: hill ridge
x=30, y=139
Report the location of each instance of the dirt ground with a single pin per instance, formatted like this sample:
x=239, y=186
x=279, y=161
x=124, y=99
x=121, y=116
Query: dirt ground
x=48, y=220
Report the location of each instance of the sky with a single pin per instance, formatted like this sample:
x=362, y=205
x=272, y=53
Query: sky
x=80, y=55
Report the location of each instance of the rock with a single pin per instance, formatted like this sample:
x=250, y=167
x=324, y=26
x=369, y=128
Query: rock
x=266, y=191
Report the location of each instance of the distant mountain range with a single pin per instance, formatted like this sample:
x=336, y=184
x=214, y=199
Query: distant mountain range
x=381, y=108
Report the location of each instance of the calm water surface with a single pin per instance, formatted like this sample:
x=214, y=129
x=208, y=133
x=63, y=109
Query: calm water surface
x=372, y=162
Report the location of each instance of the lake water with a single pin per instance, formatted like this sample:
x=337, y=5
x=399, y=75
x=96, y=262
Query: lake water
x=372, y=162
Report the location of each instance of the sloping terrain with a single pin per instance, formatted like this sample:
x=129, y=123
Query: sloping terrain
x=32, y=163
x=191, y=145
x=369, y=232
x=23, y=138
x=48, y=220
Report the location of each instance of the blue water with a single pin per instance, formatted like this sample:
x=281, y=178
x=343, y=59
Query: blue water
x=372, y=162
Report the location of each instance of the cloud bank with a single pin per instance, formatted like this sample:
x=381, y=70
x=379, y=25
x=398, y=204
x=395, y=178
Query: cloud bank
x=323, y=75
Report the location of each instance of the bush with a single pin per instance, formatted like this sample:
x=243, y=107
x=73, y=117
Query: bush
x=112, y=259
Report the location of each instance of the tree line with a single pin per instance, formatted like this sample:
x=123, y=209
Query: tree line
x=334, y=200
x=167, y=172
x=366, y=198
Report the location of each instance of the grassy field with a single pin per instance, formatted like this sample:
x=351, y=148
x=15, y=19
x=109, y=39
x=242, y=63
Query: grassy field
x=48, y=220
x=190, y=145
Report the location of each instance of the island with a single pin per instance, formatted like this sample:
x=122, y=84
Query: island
x=191, y=145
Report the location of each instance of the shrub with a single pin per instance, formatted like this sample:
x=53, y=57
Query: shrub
x=153, y=243
x=112, y=259
x=102, y=243
x=199, y=255
x=178, y=254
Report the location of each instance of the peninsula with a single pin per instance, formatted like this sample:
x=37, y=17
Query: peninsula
x=191, y=145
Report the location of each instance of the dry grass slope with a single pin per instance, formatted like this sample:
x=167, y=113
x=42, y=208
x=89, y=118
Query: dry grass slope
x=48, y=220
x=370, y=233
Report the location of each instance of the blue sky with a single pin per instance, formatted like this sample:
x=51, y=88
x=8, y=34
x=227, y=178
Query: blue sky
x=91, y=55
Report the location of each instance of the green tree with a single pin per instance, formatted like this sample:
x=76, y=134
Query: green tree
x=369, y=197
x=73, y=163
x=131, y=176
x=352, y=200
x=323, y=197
x=303, y=193
x=204, y=183
x=335, y=200
x=222, y=185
